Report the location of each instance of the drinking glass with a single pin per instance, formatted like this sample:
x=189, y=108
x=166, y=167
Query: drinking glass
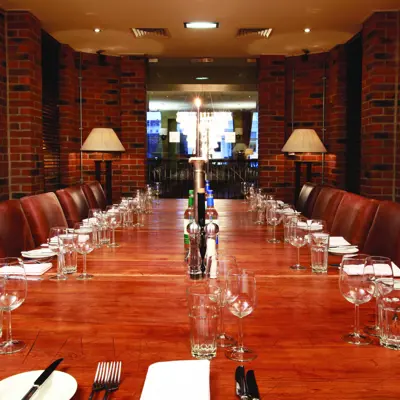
x=298, y=233
x=244, y=188
x=203, y=304
x=84, y=244
x=217, y=268
x=286, y=222
x=56, y=245
x=356, y=283
x=114, y=221
x=157, y=192
x=314, y=226
x=13, y=287
x=241, y=299
x=274, y=219
x=384, y=284
x=260, y=209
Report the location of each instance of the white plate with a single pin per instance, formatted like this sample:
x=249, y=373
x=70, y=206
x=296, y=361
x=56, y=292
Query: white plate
x=38, y=254
x=343, y=250
x=59, y=385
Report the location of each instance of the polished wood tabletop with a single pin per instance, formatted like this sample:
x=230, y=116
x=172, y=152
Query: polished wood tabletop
x=134, y=311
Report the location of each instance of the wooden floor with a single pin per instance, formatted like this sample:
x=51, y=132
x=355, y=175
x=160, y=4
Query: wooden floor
x=135, y=311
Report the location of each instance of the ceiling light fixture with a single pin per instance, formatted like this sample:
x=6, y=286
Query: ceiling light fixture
x=201, y=78
x=96, y=30
x=307, y=30
x=201, y=25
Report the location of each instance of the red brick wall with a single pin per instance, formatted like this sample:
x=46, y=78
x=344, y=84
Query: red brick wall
x=273, y=172
x=69, y=118
x=380, y=135
x=3, y=113
x=25, y=108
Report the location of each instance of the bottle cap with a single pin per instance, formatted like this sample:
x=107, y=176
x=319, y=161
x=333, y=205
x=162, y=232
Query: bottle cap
x=191, y=191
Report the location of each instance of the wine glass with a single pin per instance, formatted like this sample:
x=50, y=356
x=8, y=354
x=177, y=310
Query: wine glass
x=273, y=218
x=56, y=245
x=241, y=300
x=157, y=192
x=384, y=284
x=314, y=226
x=84, y=244
x=298, y=233
x=217, y=268
x=356, y=283
x=114, y=221
x=13, y=288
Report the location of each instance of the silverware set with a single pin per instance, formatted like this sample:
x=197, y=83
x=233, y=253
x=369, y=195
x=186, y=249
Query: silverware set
x=108, y=378
x=246, y=384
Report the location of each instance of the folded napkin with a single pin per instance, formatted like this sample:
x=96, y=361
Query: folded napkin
x=38, y=253
x=378, y=268
x=338, y=241
x=30, y=268
x=307, y=225
x=177, y=380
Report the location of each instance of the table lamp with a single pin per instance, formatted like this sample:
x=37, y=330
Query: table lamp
x=303, y=141
x=103, y=140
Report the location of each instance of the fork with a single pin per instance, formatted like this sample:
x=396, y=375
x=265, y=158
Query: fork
x=114, y=378
x=99, y=382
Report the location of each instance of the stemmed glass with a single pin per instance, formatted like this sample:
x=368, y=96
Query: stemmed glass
x=56, y=245
x=384, y=284
x=84, y=244
x=244, y=188
x=298, y=234
x=218, y=267
x=356, y=283
x=260, y=209
x=157, y=192
x=241, y=300
x=13, y=288
x=316, y=225
x=114, y=221
x=273, y=218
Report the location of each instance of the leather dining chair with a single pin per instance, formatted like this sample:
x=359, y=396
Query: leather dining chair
x=354, y=218
x=384, y=236
x=95, y=195
x=308, y=195
x=74, y=204
x=15, y=233
x=326, y=204
x=43, y=211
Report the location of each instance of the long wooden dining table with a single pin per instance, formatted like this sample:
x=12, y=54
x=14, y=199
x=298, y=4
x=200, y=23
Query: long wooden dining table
x=134, y=311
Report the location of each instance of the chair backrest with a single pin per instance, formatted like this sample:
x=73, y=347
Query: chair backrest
x=43, y=211
x=326, y=204
x=354, y=218
x=307, y=197
x=74, y=204
x=95, y=195
x=15, y=233
x=384, y=236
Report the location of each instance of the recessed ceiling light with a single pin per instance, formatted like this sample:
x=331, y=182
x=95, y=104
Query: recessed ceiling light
x=97, y=30
x=201, y=25
x=307, y=30
x=201, y=78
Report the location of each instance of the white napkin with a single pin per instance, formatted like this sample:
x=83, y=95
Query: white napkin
x=337, y=241
x=38, y=253
x=30, y=269
x=307, y=225
x=177, y=380
x=380, y=268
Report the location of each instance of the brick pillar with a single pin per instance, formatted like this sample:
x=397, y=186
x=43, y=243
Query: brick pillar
x=336, y=107
x=3, y=113
x=25, y=103
x=379, y=87
x=69, y=118
x=133, y=123
x=271, y=128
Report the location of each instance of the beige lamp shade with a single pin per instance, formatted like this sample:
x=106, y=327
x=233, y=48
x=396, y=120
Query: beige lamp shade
x=102, y=140
x=304, y=141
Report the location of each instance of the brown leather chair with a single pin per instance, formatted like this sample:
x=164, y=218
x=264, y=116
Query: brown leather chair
x=43, y=211
x=326, y=204
x=354, y=218
x=384, y=236
x=95, y=195
x=15, y=233
x=74, y=204
x=308, y=195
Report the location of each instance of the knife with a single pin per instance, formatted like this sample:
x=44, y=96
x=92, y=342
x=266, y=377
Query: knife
x=42, y=378
x=252, y=385
x=241, y=386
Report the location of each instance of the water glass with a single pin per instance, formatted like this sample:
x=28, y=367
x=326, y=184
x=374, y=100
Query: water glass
x=69, y=253
x=319, y=252
x=389, y=320
x=56, y=245
x=203, y=306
